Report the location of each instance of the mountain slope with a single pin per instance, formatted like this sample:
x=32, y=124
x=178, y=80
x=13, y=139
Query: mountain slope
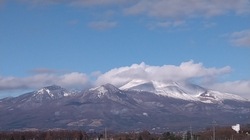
x=182, y=91
x=138, y=106
x=38, y=98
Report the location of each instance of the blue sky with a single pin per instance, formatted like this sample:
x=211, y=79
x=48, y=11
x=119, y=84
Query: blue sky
x=76, y=43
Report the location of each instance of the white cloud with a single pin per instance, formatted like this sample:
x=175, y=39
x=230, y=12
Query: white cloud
x=96, y=74
x=162, y=8
x=241, y=88
x=188, y=8
x=69, y=80
x=185, y=71
x=166, y=24
x=102, y=25
x=241, y=38
x=157, y=10
x=74, y=79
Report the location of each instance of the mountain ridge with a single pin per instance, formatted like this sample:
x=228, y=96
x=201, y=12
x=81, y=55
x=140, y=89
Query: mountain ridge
x=119, y=109
x=181, y=91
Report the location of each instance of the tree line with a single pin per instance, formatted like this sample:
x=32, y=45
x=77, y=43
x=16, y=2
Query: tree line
x=222, y=133
x=44, y=135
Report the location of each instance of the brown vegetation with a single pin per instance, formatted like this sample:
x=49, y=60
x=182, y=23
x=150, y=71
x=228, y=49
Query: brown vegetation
x=222, y=133
x=225, y=133
x=48, y=135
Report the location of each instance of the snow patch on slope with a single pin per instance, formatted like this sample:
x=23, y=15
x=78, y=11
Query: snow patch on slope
x=101, y=90
x=218, y=96
x=172, y=89
x=182, y=91
x=44, y=91
x=133, y=83
x=105, y=90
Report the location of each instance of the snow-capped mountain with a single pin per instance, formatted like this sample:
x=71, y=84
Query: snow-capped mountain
x=41, y=96
x=104, y=90
x=107, y=92
x=52, y=92
x=182, y=91
x=136, y=105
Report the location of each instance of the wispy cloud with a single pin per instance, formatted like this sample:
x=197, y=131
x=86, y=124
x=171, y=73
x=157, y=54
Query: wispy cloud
x=102, y=25
x=167, y=24
x=188, y=8
x=70, y=80
x=156, y=10
x=241, y=38
x=162, y=8
x=240, y=87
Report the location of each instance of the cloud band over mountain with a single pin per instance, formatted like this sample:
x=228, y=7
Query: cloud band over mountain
x=186, y=72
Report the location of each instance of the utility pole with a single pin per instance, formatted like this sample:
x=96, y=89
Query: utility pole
x=184, y=136
x=214, y=123
x=191, y=133
x=106, y=134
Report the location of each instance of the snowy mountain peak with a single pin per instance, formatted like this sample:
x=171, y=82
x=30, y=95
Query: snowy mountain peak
x=165, y=84
x=150, y=86
x=184, y=91
x=139, y=85
x=142, y=85
x=51, y=92
x=173, y=90
x=111, y=88
x=105, y=89
x=99, y=90
x=169, y=89
x=44, y=91
x=48, y=89
x=133, y=83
